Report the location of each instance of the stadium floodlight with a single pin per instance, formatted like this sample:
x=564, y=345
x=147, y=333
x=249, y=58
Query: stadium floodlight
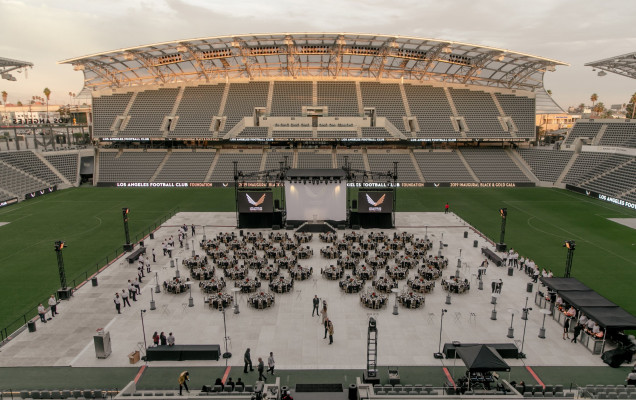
x=501, y=246
x=124, y=212
x=64, y=293
x=571, y=246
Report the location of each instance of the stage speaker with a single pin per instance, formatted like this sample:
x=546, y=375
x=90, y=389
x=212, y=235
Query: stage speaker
x=64, y=294
x=241, y=233
x=277, y=204
x=355, y=227
x=354, y=203
x=501, y=247
x=341, y=227
x=275, y=227
x=129, y=247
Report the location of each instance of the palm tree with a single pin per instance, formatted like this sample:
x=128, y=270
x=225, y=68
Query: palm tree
x=581, y=107
x=4, y=100
x=47, y=93
x=599, y=108
x=632, y=100
x=593, y=97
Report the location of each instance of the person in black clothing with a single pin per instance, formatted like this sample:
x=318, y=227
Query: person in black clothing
x=163, y=339
x=566, y=329
x=248, y=361
x=239, y=382
x=261, y=369
x=230, y=383
x=316, y=304
x=219, y=382
x=577, y=332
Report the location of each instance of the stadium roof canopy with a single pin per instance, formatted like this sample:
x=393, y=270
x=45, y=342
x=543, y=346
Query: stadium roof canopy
x=622, y=65
x=318, y=55
x=7, y=65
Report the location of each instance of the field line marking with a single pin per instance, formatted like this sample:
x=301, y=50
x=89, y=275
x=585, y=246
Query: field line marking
x=140, y=373
x=449, y=377
x=227, y=373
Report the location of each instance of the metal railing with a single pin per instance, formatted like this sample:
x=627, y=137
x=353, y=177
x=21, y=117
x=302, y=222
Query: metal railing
x=20, y=323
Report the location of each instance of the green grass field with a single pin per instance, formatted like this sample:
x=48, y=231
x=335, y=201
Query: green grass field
x=89, y=220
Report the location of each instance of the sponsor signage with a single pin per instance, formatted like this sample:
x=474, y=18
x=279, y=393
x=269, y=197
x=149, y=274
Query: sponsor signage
x=8, y=202
x=39, y=193
x=375, y=202
x=601, y=196
x=255, y=202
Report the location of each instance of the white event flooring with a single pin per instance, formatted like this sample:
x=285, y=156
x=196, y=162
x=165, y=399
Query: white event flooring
x=287, y=329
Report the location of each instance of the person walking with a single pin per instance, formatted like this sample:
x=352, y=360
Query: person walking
x=183, y=382
x=324, y=316
x=154, y=256
x=330, y=327
x=316, y=302
x=499, y=286
x=53, y=305
x=41, y=313
x=271, y=363
x=117, y=303
x=247, y=359
x=261, y=369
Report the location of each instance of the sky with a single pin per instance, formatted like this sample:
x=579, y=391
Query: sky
x=573, y=31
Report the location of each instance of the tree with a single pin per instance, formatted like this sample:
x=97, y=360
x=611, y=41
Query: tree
x=594, y=98
x=598, y=108
x=47, y=93
x=549, y=92
x=581, y=107
x=630, y=107
x=19, y=103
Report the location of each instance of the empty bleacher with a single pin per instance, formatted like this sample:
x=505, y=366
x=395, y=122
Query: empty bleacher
x=197, y=108
x=583, y=129
x=148, y=112
x=493, y=165
x=314, y=160
x=242, y=98
x=479, y=111
x=546, y=164
x=289, y=98
x=522, y=111
x=17, y=182
x=247, y=162
x=375, y=132
x=442, y=166
x=292, y=134
x=274, y=157
x=105, y=109
x=356, y=160
x=588, y=165
x=619, y=180
x=339, y=97
x=256, y=132
x=387, y=101
x=28, y=162
x=430, y=106
x=382, y=162
x=131, y=166
x=619, y=135
x=65, y=163
x=186, y=166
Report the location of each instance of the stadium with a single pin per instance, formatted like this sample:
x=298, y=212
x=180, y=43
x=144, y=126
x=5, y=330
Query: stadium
x=323, y=146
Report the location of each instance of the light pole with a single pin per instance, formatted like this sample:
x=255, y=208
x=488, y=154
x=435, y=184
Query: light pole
x=439, y=346
x=143, y=328
x=570, y=245
x=227, y=354
x=525, y=322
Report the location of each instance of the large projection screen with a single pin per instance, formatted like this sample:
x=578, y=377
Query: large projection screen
x=306, y=202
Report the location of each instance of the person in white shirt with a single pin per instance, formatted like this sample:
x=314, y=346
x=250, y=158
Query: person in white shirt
x=590, y=324
x=583, y=319
x=596, y=329
x=270, y=363
x=53, y=305
x=41, y=312
x=170, y=339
